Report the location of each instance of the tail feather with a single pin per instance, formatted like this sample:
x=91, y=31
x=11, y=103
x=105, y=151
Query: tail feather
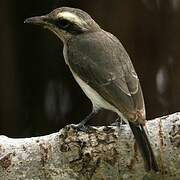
x=144, y=147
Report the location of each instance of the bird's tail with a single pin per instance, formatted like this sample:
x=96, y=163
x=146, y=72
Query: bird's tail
x=144, y=147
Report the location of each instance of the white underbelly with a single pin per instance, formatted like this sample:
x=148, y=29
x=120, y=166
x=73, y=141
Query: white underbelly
x=96, y=99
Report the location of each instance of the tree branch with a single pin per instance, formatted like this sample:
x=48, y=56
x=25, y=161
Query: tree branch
x=102, y=153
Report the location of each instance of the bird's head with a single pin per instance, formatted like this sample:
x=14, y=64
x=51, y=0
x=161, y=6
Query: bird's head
x=66, y=22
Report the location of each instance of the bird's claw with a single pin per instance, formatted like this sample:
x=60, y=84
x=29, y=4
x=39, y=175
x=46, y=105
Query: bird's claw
x=79, y=127
x=118, y=122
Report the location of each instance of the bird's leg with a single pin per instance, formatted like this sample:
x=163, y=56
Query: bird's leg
x=81, y=125
x=118, y=122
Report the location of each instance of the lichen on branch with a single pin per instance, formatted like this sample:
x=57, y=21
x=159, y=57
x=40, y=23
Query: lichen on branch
x=101, y=153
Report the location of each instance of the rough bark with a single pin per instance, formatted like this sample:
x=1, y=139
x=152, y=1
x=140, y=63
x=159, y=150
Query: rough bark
x=101, y=153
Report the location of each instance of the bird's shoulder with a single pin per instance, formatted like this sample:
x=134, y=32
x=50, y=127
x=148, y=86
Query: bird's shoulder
x=100, y=45
x=103, y=51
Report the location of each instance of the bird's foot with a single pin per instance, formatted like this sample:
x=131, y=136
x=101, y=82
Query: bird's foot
x=118, y=122
x=79, y=127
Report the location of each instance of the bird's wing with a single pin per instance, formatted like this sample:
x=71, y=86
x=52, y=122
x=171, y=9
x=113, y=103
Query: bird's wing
x=100, y=60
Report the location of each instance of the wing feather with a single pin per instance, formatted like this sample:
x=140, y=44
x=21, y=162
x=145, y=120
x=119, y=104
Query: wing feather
x=100, y=60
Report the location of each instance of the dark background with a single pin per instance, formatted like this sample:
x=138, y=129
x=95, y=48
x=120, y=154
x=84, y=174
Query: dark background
x=38, y=95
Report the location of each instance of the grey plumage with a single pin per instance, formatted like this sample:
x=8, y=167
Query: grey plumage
x=103, y=69
x=106, y=67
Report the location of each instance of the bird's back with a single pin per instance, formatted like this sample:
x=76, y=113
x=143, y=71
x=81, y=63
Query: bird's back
x=101, y=61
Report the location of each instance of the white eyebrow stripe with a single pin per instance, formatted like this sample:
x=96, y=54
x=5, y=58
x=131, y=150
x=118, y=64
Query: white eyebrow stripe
x=71, y=17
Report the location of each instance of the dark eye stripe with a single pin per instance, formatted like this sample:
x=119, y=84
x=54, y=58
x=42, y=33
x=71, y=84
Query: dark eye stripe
x=68, y=26
x=62, y=24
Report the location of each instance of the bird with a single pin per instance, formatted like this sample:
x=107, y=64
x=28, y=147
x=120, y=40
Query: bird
x=103, y=69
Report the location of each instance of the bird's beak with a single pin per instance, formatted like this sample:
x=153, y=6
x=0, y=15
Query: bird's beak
x=38, y=20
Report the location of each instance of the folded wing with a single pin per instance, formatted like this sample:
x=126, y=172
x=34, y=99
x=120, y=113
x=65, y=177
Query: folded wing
x=106, y=67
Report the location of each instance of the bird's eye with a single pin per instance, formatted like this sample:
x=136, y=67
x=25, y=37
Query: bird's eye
x=62, y=23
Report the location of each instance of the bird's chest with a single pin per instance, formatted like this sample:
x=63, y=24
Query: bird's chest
x=65, y=54
x=97, y=100
x=90, y=93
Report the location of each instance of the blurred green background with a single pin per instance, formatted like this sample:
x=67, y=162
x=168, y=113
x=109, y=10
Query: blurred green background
x=38, y=94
